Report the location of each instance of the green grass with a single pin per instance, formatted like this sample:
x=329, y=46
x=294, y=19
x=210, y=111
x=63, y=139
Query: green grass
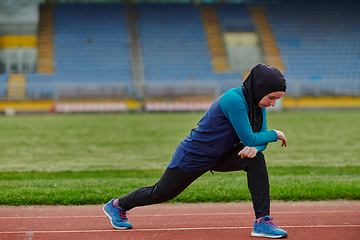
x=90, y=158
x=91, y=142
x=94, y=187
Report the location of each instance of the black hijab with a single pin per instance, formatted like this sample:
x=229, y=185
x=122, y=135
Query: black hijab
x=261, y=81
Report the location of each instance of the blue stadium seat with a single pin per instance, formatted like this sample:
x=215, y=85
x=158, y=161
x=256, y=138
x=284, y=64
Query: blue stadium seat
x=174, y=45
x=91, y=43
x=317, y=42
x=3, y=85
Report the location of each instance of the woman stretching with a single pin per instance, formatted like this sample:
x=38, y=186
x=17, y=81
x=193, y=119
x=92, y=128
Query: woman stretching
x=230, y=137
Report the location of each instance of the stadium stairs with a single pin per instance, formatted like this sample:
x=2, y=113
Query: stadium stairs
x=214, y=38
x=16, y=87
x=262, y=24
x=45, y=61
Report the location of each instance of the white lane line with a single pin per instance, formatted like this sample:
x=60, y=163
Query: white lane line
x=165, y=229
x=174, y=215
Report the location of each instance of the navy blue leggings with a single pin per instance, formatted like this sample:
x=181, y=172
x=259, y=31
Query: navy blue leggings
x=174, y=181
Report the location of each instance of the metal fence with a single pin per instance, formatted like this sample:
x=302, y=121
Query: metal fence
x=100, y=92
x=301, y=88
x=164, y=91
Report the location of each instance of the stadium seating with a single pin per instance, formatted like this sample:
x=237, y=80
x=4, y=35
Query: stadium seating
x=174, y=46
x=234, y=17
x=91, y=43
x=91, y=46
x=3, y=86
x=319, y=44
x=40, y=84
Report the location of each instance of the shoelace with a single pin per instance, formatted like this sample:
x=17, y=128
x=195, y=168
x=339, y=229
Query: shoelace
x=270, y=223
x=122, y=215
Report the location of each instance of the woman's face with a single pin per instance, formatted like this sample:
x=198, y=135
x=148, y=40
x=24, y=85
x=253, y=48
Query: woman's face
x=270, y=99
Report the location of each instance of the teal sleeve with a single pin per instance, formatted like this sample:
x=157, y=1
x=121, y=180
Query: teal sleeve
x=264, y=128
x=235, y=108
x=261, y=148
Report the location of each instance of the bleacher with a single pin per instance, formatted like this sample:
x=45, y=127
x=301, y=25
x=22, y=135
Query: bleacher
x=174, y=46
x=173, y=43
x=91, y=43
x=91, y=47
x=40, y=84
x=3, y=86
x=319, y=44
x=235, y=17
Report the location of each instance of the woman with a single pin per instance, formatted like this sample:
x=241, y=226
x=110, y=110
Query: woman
x=230, y=137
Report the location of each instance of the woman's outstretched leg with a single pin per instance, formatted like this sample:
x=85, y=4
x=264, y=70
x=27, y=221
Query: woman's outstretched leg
x=171, y=184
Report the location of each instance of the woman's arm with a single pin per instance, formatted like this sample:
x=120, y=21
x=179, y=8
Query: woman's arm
x=264, y=128
x=235, y=109
x=251, y=152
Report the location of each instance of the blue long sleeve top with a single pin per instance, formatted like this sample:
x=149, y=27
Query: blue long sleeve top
x=224, y=124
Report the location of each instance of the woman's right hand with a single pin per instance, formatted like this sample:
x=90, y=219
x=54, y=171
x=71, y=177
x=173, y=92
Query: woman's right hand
x=281, y=136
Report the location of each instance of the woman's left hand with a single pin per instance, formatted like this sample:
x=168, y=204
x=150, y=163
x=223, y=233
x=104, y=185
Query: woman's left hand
x=249, y=152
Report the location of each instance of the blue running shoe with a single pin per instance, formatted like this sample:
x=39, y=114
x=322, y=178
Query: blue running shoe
x=117, y=216
x=268, y=229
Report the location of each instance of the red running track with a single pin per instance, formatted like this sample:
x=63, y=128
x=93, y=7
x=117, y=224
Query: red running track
x=302, y=220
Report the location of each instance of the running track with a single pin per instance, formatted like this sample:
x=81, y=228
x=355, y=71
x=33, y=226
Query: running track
x=302, y=220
